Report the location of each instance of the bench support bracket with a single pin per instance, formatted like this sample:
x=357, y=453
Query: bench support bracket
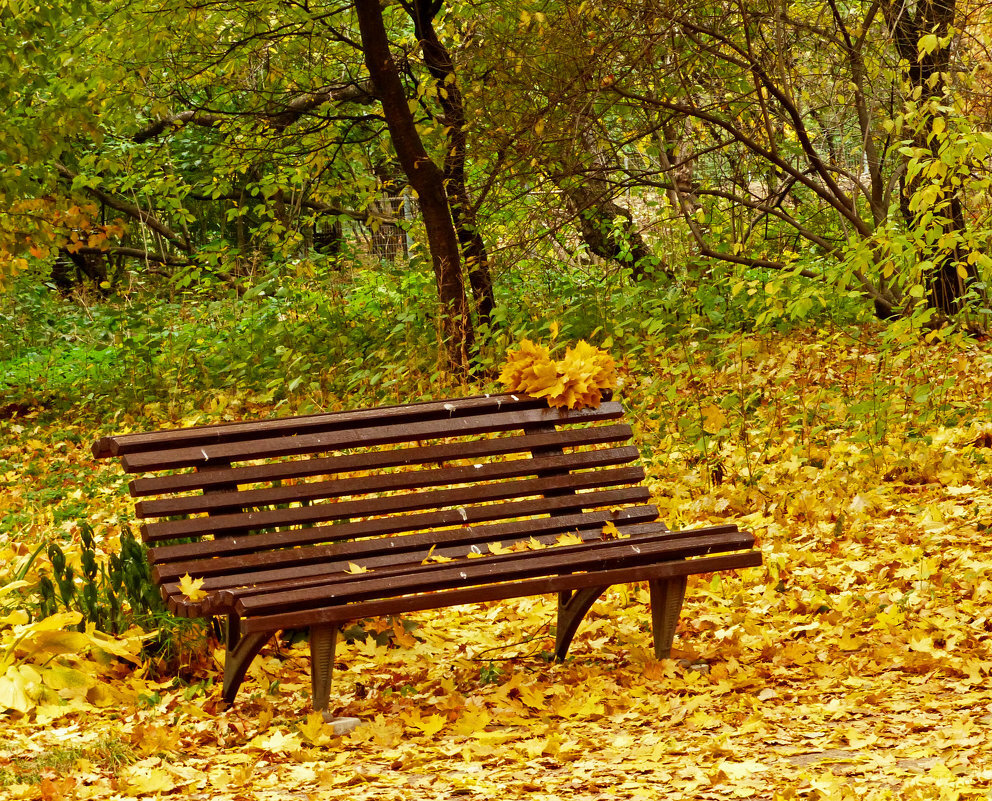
x=667, y=596
x=572, y=608
x=323, y=641
x=238, y=659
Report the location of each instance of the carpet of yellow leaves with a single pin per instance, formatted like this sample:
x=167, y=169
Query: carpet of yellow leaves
x=855, y=664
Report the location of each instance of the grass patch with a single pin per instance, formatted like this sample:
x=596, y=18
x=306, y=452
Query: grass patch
x=108, y=753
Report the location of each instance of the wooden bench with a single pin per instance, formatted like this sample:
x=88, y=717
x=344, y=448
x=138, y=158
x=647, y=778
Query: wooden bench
x=273, y=515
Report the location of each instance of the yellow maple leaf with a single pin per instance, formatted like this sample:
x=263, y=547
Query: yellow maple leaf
x=496, y=548
x=276, y=742
x=542, y=381
x=521, y=364
x=433, y=557
x=610, y=530
x=313, y=728
x=190, y=587
x=569, y=539
x=473, y=720
x=143, y=780
x=353, y=568
x=401, y=635
x=576, y=381
x=429, y=726
x=714, y=419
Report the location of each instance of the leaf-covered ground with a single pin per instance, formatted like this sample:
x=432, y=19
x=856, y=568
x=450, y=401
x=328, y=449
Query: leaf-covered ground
x=854, y=664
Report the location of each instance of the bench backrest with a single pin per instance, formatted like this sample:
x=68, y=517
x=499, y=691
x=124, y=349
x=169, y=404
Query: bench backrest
x=295, y=497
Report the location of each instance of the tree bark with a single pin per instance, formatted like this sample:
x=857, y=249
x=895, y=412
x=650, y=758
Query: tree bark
x=606, y=226
x=927, y=72
x=442, y=69
x=427, y=181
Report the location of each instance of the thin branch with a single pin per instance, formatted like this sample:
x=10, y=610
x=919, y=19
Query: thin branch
x=279, y=119
x=129, y=209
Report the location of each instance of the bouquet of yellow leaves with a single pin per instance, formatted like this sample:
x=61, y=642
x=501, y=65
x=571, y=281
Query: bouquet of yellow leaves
x=575, y=381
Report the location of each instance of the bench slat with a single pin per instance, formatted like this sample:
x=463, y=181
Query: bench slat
x=249, y=450
x=216, y=570
x=331, y=615
x=425, y=521
x=345, y=587
x=385, y=482
x=195, y=436
x=323, y=512
x=651, y=543
x=369, y=460
x=222, y=599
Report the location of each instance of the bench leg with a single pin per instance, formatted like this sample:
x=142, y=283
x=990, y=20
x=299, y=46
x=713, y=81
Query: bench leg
x=572, y=607
x=323, y=641
x=666, y=604
x=237, y=660
x=232, y=631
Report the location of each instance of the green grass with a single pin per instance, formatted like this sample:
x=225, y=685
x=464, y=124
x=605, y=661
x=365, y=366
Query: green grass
x=108, y=752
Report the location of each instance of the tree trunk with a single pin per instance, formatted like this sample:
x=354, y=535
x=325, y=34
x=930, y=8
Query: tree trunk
x=442, y=69
x=927, y=72
x=427, y=181
x=607, y=227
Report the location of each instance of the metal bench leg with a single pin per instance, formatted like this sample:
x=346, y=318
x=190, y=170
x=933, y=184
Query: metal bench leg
x=666, y=603
x=572, y=607
x=238, y=659
x=323, y=641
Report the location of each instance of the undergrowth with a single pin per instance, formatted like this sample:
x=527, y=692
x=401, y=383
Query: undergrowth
x=321, y=339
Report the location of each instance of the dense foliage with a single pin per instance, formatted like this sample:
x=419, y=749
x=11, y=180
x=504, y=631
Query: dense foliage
x=808, y=154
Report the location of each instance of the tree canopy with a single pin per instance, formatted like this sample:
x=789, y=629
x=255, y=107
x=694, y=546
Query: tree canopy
x=800, y=150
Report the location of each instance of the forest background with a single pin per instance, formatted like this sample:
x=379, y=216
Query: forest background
x=776, y=217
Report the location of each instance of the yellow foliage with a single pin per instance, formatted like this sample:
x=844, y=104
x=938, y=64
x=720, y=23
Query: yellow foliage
x=190, y=587
x=575, y=381
x=854, y=663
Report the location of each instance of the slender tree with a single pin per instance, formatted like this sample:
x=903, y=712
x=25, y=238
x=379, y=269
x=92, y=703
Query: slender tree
x=427, y=180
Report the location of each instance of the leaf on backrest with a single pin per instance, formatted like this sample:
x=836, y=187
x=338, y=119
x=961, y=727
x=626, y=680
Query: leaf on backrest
x=190, y=587
x=574, y=382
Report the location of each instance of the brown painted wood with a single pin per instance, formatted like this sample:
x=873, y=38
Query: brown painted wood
x=397, y=547
x=385, y=482
x=225, y=591
x=399, y=574
x=596, y=555
x=417, y=577
x=498, y=592
x=371, y=460
x=193, y=436
x=372, y=435
x=432, y=499
x=395, y=525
